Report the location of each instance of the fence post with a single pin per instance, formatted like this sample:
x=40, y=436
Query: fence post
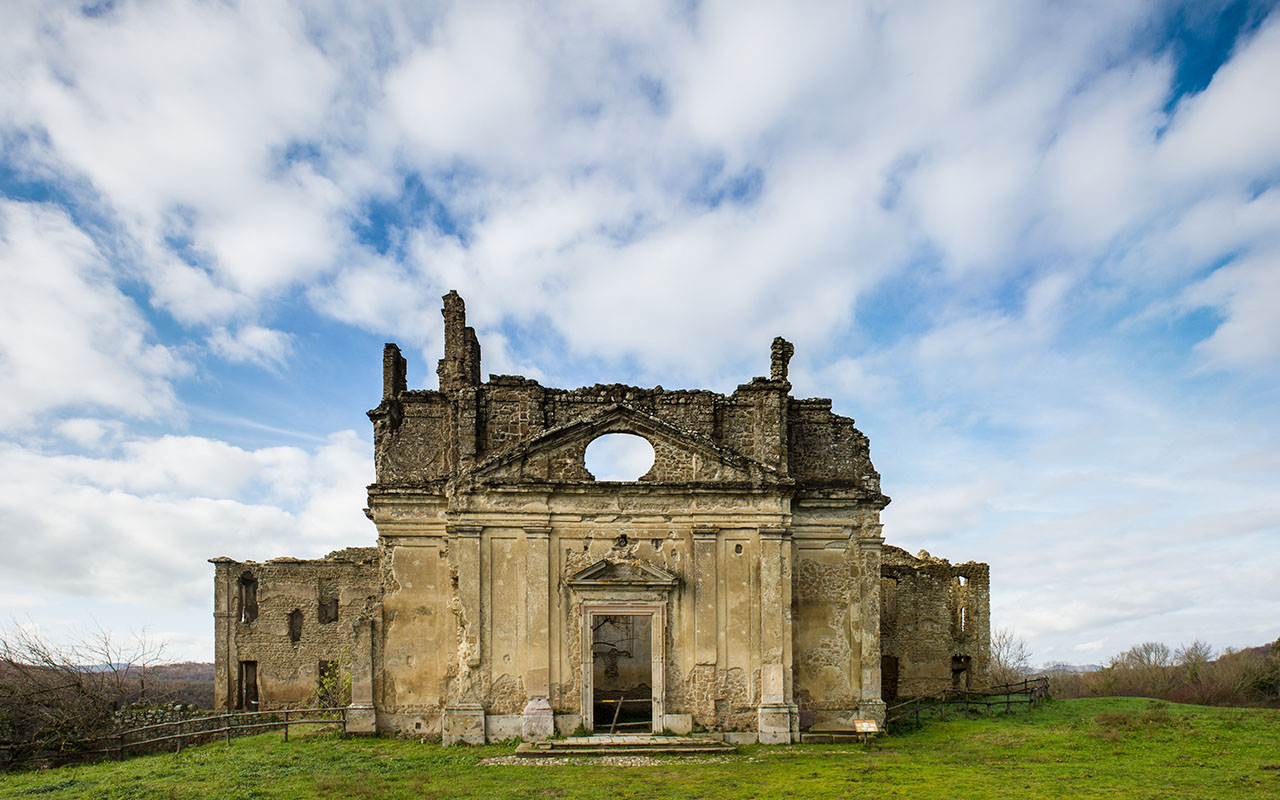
x=177, y=748
x=286, y=725
x=226, y=728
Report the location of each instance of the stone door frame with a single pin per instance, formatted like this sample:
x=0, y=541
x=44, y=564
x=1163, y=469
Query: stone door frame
x=657, y=612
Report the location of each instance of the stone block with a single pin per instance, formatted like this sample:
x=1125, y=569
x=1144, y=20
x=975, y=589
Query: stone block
x=776, y=722
x=538, y=722
x=463, y=723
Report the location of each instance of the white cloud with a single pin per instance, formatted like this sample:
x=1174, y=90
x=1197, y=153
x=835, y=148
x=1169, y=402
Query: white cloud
x=475, y=91
x=1228, y=130
x=1247, y=292
x=177, y=109
x=90, y=433
x=68, y=337
x=137, y=527
x=252, y=343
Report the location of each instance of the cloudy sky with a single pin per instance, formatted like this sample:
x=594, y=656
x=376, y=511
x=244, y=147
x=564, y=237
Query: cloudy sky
x=1032, y=247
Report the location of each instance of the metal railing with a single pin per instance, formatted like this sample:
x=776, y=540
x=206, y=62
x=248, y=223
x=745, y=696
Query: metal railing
x=1027, y=692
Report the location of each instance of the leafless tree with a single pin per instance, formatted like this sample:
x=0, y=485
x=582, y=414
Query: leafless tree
x=1010, y=657
x=1144, y=656
x=54, y=698
x=1193, y=657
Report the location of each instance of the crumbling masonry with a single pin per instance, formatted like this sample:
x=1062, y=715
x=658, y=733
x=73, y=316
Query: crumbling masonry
x=741, y=585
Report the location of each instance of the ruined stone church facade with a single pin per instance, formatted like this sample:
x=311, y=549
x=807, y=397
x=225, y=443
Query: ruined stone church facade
x=741, y=585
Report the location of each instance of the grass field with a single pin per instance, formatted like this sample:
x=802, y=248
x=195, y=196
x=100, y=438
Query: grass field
x=1109, y=747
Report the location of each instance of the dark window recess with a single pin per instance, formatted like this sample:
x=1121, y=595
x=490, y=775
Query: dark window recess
x=247, y=698
x=295, y=626
x=888, y=602
x=248, y=597
x=960, y=672
x=889, y=678
x=328, y=611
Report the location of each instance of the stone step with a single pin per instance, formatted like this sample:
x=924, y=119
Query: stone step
x=624, y=744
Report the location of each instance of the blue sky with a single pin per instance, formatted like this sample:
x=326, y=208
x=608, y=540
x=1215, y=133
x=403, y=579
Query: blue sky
x=1033, y=248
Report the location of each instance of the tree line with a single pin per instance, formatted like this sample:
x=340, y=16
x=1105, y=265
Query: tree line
x=1191, y=673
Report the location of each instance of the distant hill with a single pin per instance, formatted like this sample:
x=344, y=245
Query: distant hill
x=1060, y=667
x=185, y=682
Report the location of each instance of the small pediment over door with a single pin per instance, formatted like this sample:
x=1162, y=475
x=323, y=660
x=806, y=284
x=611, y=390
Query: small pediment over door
x=629, y=574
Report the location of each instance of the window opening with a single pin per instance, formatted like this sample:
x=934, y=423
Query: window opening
x=248, y=597
x=964, y=619
x=295, y=626
x=962, y=580
x=622, y=673
x=328, y=611
x=619, y=457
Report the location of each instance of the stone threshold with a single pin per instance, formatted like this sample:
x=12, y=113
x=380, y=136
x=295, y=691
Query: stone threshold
x=624, y=744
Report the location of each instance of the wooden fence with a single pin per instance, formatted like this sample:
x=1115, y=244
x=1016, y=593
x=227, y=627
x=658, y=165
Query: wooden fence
x=1026, y=692
x=198, y=730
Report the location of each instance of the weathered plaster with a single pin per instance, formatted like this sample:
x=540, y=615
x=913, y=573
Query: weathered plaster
x=752, y=546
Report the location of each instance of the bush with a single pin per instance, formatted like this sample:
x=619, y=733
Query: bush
x=57, y=701
x=1189, y=674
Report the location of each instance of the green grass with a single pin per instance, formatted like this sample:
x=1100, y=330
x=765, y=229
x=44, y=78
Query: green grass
x=1106, y=747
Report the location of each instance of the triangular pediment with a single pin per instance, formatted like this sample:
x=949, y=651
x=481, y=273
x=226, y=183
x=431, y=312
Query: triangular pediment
x=630, y=573
x=680, y=456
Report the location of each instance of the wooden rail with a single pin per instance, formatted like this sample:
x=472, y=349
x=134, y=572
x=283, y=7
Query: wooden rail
x=224, y=725
x=614, y=725
x=1027, y=691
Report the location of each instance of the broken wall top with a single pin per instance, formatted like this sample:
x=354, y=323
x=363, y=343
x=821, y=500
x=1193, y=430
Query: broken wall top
x=513, y=429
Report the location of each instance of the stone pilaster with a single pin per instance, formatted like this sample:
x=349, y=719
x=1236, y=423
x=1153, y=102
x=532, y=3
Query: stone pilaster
x=777, y=715
x=361, y=716
x=872, y=704
x=539, y=721
x=706, y=628
x=463, y=717
x=706, y=635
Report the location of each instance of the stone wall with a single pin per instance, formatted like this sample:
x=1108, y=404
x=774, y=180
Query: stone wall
x=423, y=436
x=304, y=615
x=935, y=621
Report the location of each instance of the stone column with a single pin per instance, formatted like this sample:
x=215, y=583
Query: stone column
x=361, y=715
x=539, y=720
x=706, y=641
x=777, y=712
x=224, y=648
x=872, y=704
x=463, y=718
